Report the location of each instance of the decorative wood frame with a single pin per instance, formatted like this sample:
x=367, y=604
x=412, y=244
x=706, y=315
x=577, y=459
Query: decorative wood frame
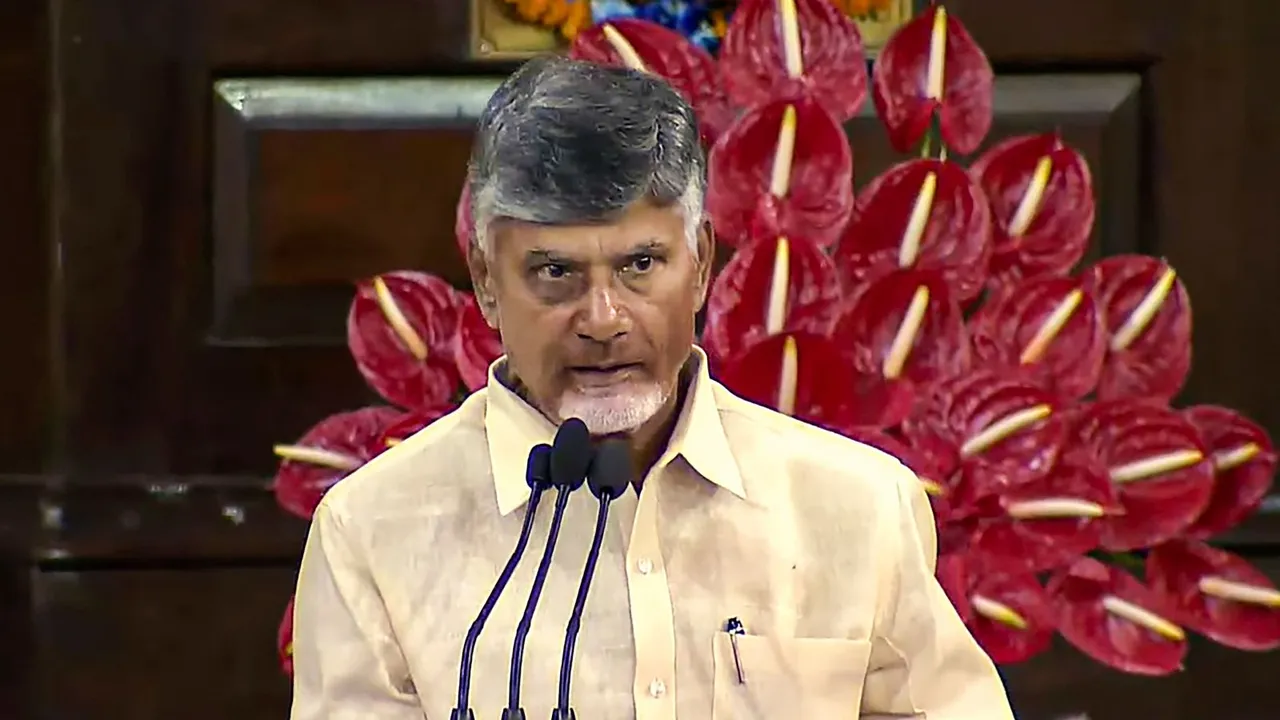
x=497, y=35
x=249, y=310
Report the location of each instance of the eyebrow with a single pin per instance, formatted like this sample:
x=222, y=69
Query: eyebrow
x=545, y=255
x=652, y=245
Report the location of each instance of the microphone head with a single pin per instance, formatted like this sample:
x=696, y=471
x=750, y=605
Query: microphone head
x=571, y=453
x=538, y=473
x=611, y=469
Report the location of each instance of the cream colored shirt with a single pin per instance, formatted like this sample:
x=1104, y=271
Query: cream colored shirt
x=823, y=547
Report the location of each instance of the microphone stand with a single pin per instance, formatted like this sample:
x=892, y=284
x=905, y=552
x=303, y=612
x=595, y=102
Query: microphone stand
x=538, y=475
x=513, y=710
x=571, y=456
x=610, y=474
x=563, y=711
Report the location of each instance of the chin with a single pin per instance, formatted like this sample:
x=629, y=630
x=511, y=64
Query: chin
x=620, y=411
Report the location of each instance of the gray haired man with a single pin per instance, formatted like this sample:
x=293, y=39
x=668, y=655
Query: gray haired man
x=591, y=258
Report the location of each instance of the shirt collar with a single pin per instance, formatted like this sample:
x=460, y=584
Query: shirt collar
x=513, y=428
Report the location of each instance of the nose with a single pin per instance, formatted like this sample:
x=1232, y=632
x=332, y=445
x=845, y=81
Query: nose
x=603, y=319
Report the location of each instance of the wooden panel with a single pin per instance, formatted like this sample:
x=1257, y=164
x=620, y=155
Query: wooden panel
x=305, y=36
x=161, y=643
x=142, y=393
x=16, y=666
x=122, y=520
x=28, y=411
x=316, y=183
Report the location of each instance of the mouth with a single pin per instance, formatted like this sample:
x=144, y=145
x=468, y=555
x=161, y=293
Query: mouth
x=604, y=374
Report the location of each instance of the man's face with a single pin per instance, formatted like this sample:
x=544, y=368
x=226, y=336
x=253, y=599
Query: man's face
x=596, y=320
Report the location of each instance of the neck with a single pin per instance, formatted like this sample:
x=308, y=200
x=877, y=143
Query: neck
x=648, y=441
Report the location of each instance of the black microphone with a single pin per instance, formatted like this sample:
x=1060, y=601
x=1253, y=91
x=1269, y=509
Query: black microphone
x=610, y=474
x=571, y=453
x=538, y=475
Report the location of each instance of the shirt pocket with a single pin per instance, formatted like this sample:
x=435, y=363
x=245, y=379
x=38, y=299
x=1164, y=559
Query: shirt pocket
x=809, y=678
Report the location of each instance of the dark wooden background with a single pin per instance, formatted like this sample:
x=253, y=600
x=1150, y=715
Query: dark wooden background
x=184, y=197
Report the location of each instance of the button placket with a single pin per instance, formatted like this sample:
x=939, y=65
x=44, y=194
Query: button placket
x=653, y=624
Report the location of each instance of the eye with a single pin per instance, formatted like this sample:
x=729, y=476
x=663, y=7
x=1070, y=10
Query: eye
x=641, y=264
x=551, y=271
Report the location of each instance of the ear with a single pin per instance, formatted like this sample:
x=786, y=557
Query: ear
x=482, y=281
x=706, y=260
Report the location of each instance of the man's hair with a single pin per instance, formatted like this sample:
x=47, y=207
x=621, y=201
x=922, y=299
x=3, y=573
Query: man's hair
x=565, y=142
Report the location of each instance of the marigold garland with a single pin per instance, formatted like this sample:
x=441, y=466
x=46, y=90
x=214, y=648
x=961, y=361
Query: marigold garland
x=863, y=8
x=568, y=17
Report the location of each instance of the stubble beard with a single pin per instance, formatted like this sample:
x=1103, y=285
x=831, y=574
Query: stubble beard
x=607, y=411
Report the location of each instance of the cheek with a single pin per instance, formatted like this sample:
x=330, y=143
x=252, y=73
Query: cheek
x=670, y=325
x=530, y=336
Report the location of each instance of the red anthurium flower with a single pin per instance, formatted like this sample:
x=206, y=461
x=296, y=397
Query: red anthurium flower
x=918, y=462
x=932, y=66
x=882, y=404
x=1148, y=315
x=905, y=325
x=1244, y=466
x=953, y=575
x=797, y=374
x=328, y=452
x=650, y=47
x=1043, y=523
x=462, y=224
x=772, y=285
x=1004, y=430
x=925, y=214
x=789, y=48
x=783, y=169
x=1160, y=467
x=1116, y=620
x=1042, y=205
x=400, y=331
x=1049, y=328
x=476, y=345
x=1216, y=594
x=954, y=532
x=409, y=424
x=1009, y=614
x=284, y=640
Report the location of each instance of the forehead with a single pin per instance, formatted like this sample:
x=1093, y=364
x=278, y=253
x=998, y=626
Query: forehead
x=641, y=224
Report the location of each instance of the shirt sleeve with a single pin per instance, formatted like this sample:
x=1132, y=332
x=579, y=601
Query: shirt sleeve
x=924, y=663
x=347, y=664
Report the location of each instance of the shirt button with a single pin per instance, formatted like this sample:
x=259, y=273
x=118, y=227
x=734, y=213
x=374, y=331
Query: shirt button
x=657, y=689
x=645, y=566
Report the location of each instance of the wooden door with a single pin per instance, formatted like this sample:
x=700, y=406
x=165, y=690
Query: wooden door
x=190, y=185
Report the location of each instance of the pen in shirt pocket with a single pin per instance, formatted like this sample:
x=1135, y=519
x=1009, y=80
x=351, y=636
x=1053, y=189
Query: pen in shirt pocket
x=734, y=627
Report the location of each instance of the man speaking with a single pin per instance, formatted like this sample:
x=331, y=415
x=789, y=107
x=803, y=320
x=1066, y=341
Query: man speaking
x=761, y=567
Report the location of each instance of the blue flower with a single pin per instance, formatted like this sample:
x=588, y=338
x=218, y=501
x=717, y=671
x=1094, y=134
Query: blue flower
x=690, y=18
x=602, y=10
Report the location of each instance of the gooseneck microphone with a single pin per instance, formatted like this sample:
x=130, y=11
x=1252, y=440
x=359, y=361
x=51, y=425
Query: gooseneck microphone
x=571, y=453
x=538, y=475
x=608, y=478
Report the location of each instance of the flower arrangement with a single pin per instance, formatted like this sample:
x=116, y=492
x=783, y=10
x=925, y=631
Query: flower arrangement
x=703, y=22
x=938, y=315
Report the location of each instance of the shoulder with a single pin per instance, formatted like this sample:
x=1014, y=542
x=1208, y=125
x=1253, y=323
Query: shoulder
x=821, y=468
x=419, y=473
